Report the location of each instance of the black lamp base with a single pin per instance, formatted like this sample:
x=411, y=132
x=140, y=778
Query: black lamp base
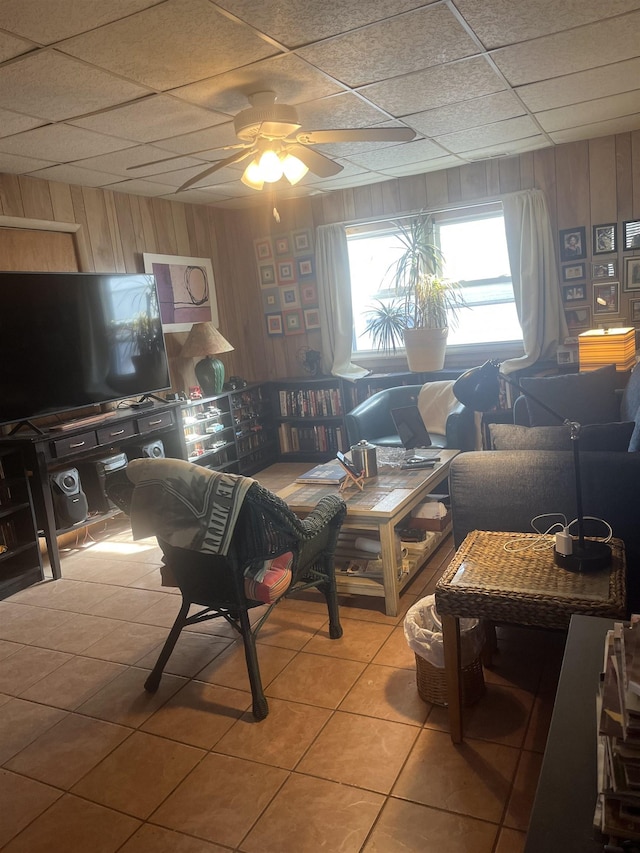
x=590, y=558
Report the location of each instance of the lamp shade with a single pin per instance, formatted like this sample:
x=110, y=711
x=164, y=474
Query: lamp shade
x=479, y=388
x=204, y=339
x=599, y=347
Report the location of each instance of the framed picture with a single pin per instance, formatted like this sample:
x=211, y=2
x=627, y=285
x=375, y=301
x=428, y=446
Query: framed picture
x=632, y=273
x=308, y=294
x=574, y=293
x=274, y=325
x=282, y=245
x=263, y=249
x=271, y=300
x=301, y=242
x=306, y=268
x=634, y=310
x=573, y=272
x=631, y=234
x=267, y=275
x=606, y=298
x=289, y=296
x=604, y=269
x=604, y=238
x=293, y=322
x=286, y=274
x=573, y=244
x=578, y=318
x=312, y=318
x=186, y=290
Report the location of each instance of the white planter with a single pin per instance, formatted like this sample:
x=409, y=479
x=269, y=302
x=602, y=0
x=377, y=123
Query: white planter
x=425, y=349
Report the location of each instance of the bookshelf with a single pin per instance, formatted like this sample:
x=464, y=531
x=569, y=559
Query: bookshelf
x=20, y=559
x=309, y=416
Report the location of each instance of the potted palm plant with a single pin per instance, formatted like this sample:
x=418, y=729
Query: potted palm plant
x=425, y=304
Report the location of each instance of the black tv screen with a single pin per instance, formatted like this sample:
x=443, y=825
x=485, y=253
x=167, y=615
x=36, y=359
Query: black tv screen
x=70, y=340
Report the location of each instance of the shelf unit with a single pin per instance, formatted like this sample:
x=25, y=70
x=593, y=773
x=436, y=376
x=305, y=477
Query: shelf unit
x=21, y=562
x=310, y=418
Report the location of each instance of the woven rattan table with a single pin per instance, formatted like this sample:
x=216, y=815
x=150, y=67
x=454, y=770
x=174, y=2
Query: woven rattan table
x=511, y=577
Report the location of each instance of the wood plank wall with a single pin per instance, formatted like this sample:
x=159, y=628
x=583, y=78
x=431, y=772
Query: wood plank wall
x=586, y=183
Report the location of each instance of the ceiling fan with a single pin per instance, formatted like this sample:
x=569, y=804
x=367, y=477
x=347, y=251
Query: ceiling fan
x=271, y=135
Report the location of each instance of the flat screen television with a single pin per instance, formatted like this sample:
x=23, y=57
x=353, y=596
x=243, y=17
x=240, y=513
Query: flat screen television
x=72, y=340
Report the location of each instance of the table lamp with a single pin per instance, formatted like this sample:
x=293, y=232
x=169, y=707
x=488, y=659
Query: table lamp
x=478, y=389
x=205, y=340
x=599, y=347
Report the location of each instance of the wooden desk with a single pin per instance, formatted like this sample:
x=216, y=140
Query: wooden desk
x=493, y=576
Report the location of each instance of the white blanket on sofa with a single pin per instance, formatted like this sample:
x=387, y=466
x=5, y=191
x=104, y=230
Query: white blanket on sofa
x=435, y=401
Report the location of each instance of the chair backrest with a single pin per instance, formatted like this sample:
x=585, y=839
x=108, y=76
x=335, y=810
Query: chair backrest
x=372, y=419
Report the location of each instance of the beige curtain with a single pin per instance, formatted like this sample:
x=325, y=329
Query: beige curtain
x=534, y=273
x=334, y=292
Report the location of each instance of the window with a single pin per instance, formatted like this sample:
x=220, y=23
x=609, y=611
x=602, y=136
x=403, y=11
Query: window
x=475, y=254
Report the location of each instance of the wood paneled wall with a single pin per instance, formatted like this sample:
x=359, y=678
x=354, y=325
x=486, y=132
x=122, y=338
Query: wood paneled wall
x=586, y=183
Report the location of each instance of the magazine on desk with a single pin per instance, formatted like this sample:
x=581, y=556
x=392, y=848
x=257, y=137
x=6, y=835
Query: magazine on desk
x=328, y=473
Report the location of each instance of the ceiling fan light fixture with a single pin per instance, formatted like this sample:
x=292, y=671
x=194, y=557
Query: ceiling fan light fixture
x=252, y=176
x=294, y=169
x=270, y=167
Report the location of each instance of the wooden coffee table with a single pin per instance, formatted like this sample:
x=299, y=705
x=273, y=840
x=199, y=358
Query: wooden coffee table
x=383, y=503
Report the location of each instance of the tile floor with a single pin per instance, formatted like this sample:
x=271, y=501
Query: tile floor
x=349, y=759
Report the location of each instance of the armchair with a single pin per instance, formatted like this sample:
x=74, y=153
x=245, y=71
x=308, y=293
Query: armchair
x=230, y=545
x=372, y=419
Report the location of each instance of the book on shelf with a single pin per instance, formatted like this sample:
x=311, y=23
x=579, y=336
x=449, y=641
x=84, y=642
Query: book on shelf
x=327, y=473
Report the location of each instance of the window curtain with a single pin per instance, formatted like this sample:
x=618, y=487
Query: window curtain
x=534, y=273
x=334, y=293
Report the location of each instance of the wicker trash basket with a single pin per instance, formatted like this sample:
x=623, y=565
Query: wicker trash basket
x=423, y=632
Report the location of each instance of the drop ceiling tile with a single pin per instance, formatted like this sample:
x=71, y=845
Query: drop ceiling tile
x=61, y=142
x=11, y=46
x=206, y=143
x=11, y=122
x=140, y=187
x=410, y=152
x=583, y=86
x=58, y=19
x=298, y=22
x=506, y=149
x=435, y=87
x=586, y=47
x=156, y=117
x=410, y=42
x=194, y=196
x=349, y=170
x=54, y=87
x=590, y=112
x=467, y=114
x=497, y=23
x=70, y=174
x=175, y=43
x=14, y=164
x=344, y=183
x=499, y=133
x=434, y=165
x=337, y=111
x=177, y=177
x=591, y=131
x=118, y=162
x=290, y=77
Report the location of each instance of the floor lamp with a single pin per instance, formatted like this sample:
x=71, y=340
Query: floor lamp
x=479, y=389
x=205, y=340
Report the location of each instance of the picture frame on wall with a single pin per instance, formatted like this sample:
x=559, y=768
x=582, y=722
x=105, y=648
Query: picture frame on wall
x=604, y=238
x=186, y=290
x=606, y=298
x=634, y=310
x=573, y=244
x=574, y=293
x=632, y=273
x=578, y=318
x=604, y=269
x=631, y=234
x=573, y=272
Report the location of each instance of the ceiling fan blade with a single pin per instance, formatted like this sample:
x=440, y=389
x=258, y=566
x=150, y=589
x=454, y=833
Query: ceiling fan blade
x=181, y=156
x=362, y=134
x=317, y=163
x=234, y=158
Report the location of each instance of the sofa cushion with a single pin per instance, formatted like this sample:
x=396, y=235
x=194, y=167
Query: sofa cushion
x=588, y=398
x=614, y=436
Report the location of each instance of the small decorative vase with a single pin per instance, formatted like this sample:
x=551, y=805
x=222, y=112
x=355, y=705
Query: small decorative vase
x=210, y=375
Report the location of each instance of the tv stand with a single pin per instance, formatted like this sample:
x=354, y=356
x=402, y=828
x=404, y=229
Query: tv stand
x=27, y=424
x=147, y=401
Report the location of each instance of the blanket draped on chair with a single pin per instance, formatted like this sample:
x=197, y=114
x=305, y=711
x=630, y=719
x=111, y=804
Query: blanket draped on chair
x=185, y=505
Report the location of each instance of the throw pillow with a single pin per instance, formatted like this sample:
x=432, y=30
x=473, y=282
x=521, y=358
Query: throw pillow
x=615, y=436
x=611, y=437
x=588, y=398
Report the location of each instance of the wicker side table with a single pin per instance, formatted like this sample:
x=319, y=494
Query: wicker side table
x=503, y=578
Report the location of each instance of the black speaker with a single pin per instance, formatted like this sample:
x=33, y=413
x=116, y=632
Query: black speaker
x=94, y=479
x=151, y=449
x=69, y=501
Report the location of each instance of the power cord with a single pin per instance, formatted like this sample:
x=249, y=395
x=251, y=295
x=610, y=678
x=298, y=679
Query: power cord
x=563, y=542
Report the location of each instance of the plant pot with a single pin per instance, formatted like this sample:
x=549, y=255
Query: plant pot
x=425, y=349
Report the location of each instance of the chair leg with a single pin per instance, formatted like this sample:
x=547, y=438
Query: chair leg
x=330, y=591
x=153, y=680
x=260, y=706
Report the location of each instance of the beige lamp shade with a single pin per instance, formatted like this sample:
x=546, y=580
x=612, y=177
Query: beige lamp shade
x=204, y=339
x=599, y=347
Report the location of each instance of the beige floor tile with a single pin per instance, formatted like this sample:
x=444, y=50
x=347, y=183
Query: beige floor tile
x=309, y=815
x=125, y=701
x=199, y=714
x=78, y=825
x=25, y=623
x=64, y=753
x=501, y=715
x=163, y=613
x=280, y=739
x=139, y=774
x=405, y=827
x=309, y=601
x=28, y=666
x=510, y=841
x=221, y=799
x=396, y=651
x=315, y=680
x=155, y=839
x=539, y=722
x=74, y=682
x=290, y=629
x=128, y=643
x=153, y=581
x=66, y=594
x=7, y=648
x=473, y=778
x=229, y=669
x=360, y=751
x=77, y=632
x=369, y=609
x=21, y=723
x=360, y=641
x=524, y=791
x=387, y=693
x=22, y=801
x=126, y=603
x=190, y=654
x=118, y=570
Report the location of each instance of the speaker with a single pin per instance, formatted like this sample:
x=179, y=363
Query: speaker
x=69, y=501
x=94, y=480
x=151, y=449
